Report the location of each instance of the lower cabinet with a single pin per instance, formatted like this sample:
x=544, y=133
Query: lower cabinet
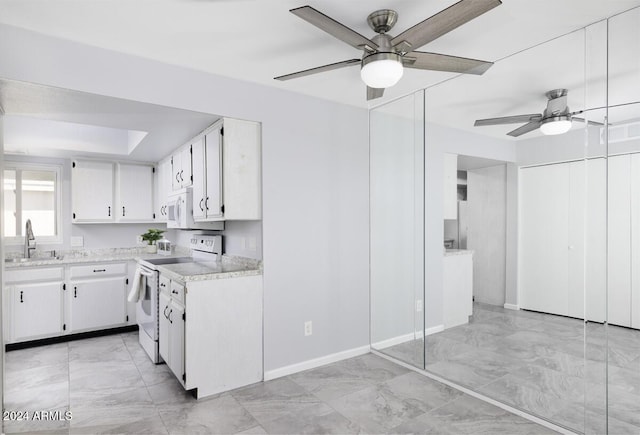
x=36, y=311
x=171, y=338
x=43, y=302
x=97, y=304
x=211, y=332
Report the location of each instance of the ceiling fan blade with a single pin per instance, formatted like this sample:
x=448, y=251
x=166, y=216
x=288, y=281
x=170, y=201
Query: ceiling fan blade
x=524, y=129
x=319, y=69
x=443, y=62
x=373, y=93
x=517, y=119
x=599, y=124
x=334, y=28
x=441, y=23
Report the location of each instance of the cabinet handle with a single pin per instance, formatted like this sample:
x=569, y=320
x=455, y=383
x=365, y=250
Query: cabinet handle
x=123, y=210
x=178, y=177
x=201, y=201
x=175, y=292
x=99, y=270
x=165, y=312
x=75, y=292
x=170, y=320
x=163, y=284
x=206, y=203
x=21, y=294
x=109, y=210
x=163, y=210
x=181, y=178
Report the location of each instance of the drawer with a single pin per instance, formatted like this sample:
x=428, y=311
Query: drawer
x=165, y=284
x=31, y=275
x=177, y=292
x=97, y=270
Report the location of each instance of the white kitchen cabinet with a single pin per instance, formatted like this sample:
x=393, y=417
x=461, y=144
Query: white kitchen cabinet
x=241, y=170
x=97, y=296
x=207, y=176
x=162, y=188
x=450, y=184
x=134, y=193
x=635, y=241
x=97, y=304
x=92, y=191
x=181, y=168
x=171, y=329
x=36, y=311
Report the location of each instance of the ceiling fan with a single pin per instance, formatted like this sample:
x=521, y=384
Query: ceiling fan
x=384, y=56
x=556, y=118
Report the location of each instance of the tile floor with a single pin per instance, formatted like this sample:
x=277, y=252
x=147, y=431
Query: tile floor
x=110, y=386
x=551, y=366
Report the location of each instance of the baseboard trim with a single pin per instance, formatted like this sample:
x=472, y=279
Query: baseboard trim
x=477, y=395
x=511, y=307
x=406, y=337
x=316, y=362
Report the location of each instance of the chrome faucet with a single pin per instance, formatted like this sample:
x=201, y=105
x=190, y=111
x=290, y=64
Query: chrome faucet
x=28, y=237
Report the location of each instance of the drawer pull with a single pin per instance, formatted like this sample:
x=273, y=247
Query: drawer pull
x=75, y=292
x=99, y=270
x=165, y=312
x=170, y=320
x=21, y=294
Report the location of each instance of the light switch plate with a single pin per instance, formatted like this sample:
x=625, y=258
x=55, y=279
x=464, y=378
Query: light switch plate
x=77, y=241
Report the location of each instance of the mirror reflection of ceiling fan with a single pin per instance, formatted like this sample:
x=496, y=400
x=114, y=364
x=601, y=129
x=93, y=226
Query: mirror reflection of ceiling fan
x=556, y=118
x=384, y=56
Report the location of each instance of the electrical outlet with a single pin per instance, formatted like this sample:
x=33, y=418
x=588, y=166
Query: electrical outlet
x=419, y=305
x=308, y=328
x=77, y=241
x=252, y=245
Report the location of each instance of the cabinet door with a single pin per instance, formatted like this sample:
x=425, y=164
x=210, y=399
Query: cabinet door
x=213, y=151
x=92, y=191
x=186, y=171
x=619, y=240
x=200, y=176
x=176, y=344
x=176, y=168
x=36, y=311
x=135, y=191
x=164, y=305
x=97, y=304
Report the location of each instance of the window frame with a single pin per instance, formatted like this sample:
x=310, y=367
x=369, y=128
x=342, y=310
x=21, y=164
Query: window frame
x=20, y=166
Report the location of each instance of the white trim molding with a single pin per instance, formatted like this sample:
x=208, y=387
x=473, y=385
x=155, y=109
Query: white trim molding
x=316, y=362
x=511, y=307
x=407, y=337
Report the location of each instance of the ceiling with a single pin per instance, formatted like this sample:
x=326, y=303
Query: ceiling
x=256, y=40
x=47, y=121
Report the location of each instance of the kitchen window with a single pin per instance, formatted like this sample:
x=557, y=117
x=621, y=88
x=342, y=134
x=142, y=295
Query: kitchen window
x=31, y=192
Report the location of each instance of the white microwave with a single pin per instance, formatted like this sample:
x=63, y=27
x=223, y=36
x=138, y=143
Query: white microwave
x=180, y=209
x=180, y=212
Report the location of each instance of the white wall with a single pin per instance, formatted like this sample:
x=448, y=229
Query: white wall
x=487, y=211
x=315, y=182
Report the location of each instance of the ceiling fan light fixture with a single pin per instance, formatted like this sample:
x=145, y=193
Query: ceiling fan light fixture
x=381, y=70
x=556, y=125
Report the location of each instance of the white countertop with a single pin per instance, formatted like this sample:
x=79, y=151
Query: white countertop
x=450, y=252
x=229, y=267
x=92, y=256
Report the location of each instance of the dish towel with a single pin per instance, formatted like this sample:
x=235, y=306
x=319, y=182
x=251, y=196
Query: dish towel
x=137, y=292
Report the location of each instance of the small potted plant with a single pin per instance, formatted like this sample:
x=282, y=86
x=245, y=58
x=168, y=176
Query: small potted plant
x=151, y=236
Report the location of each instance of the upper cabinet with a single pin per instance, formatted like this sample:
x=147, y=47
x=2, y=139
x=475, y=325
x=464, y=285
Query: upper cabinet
x=162, y=188
x=104, y=192
x=181, y=168
x=134, y=192
x=227, y=172
x=450, y=169
x=92, y=187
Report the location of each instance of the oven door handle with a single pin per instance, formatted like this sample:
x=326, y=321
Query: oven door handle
x=146, y=272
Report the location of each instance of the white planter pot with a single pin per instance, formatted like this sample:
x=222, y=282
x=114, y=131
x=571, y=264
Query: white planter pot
x=151, y=249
